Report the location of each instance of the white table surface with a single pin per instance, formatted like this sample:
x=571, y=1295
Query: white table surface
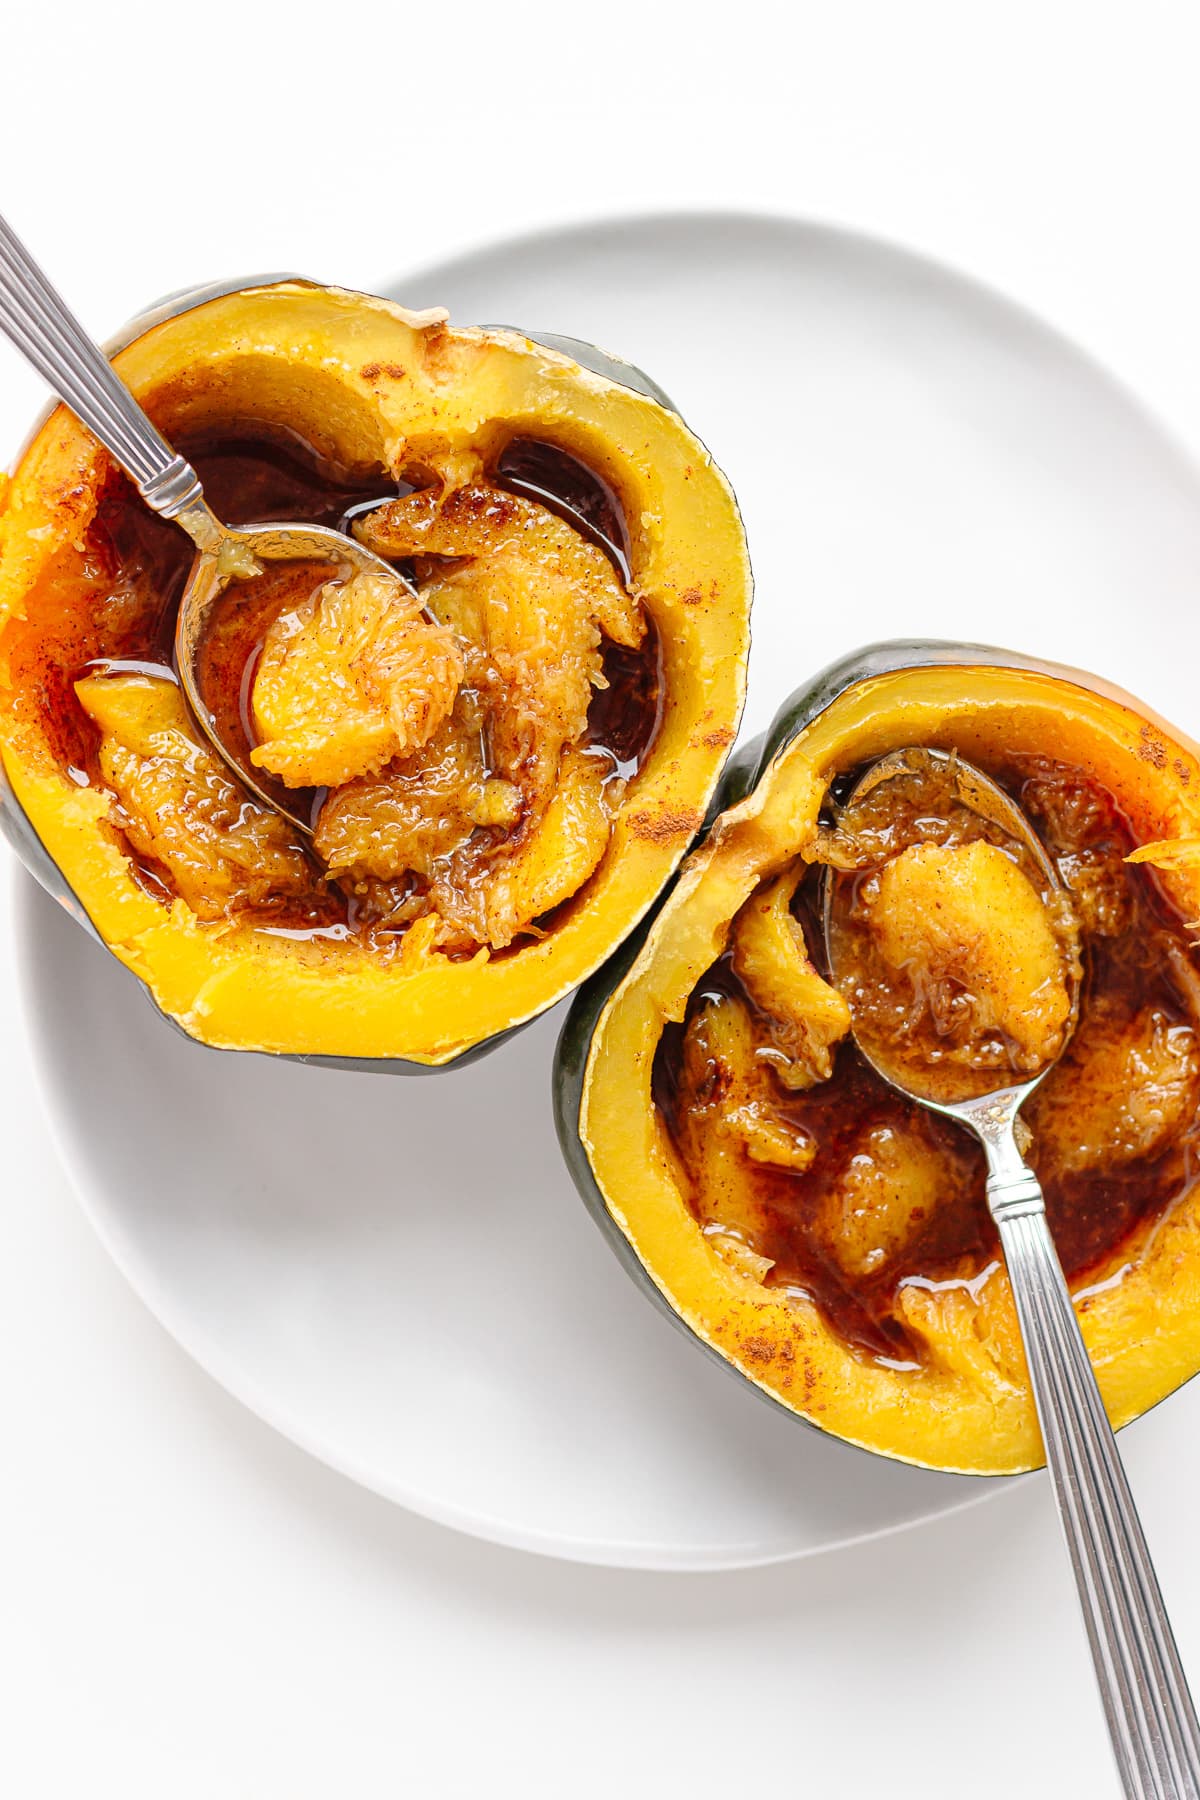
x=190, y=1606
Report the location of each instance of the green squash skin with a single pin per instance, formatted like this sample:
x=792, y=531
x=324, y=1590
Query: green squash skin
x=745, y=769
x=570, y=1060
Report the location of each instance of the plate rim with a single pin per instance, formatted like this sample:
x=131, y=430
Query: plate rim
x=65, y=1129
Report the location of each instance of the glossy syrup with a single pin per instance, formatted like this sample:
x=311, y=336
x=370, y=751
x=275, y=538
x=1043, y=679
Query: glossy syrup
x=568, y=487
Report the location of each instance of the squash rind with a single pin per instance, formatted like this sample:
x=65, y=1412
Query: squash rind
x=351, y=1022
x=621, y=1165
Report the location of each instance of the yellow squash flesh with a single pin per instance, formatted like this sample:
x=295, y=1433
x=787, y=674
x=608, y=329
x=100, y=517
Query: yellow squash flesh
x=968, y=1406
x=366, y=383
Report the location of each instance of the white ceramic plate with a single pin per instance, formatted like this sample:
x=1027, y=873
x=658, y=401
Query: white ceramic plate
x=397, y=1273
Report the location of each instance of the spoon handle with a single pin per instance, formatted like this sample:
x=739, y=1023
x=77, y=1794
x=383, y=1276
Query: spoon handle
x=1149, y=1710
x=34, y=316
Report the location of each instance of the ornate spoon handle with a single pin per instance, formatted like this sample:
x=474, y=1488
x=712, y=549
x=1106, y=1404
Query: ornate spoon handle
x=1149, y=1709
x=37, y=320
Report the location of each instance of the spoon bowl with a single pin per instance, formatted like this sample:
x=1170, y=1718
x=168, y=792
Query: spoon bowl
x=225, y=554
x=970, y=788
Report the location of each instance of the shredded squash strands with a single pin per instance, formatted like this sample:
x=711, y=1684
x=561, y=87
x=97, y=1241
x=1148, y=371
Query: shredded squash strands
x=1168, y=854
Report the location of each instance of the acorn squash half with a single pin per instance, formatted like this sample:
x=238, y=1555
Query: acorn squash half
x=790, y=1213
x=239, y=934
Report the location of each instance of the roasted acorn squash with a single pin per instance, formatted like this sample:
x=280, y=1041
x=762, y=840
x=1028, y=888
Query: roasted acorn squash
x=522, y=767
x=698, y=1098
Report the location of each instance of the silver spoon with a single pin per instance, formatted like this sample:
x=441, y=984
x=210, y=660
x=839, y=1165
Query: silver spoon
x=1149, y=1710
x=36, y=319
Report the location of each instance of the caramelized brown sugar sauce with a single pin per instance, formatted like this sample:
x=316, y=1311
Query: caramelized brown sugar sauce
x=120, y=622
x=841, y=1190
